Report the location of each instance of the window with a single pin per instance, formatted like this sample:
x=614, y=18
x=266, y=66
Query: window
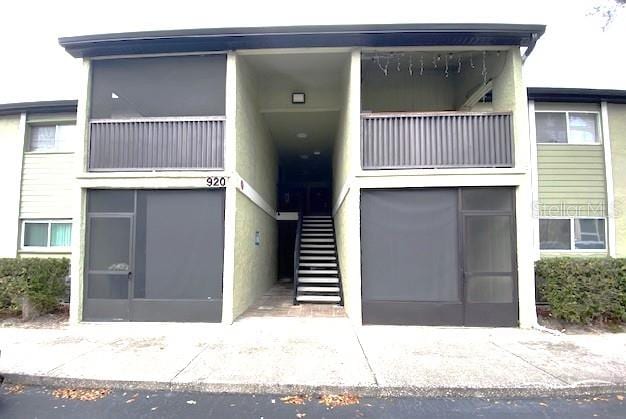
x=159, y=87
x=567, y=127
x=577, y=234
x=53, y=234
x=51, y=137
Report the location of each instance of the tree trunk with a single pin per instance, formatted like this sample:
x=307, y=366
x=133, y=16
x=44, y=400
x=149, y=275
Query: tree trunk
x=29, y=311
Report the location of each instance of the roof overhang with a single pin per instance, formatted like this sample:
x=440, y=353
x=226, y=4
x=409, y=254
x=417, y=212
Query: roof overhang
x=554, y=94
x=225, y=39
x=51, y=106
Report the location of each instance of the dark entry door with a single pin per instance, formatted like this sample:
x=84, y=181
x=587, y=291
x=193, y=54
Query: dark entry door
x=109, y=266
x=319, y=200
x=489, y=279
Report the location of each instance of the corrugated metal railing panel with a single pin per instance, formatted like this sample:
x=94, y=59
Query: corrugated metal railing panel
x=154, y=144
x=409, y=141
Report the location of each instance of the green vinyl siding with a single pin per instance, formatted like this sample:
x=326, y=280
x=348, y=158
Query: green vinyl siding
x=617, y=128
x=571, y=180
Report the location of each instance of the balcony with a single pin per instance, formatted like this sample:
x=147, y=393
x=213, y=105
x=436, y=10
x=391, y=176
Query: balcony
x=429, y=140
x=180, y=143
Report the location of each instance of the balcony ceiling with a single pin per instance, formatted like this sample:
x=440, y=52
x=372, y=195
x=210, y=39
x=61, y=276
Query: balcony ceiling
x=320, y=129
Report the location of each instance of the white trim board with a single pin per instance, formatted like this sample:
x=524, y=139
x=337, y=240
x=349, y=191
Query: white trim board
x=252, y=194
x=608, y=167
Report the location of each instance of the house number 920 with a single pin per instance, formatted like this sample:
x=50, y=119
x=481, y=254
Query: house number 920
x=216, y=181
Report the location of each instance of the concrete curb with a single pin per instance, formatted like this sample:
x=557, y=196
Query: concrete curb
x=282, y=389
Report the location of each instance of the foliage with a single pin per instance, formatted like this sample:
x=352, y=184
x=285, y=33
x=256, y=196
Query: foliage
x=608, y=10
x=41, y=280
x=582, y=290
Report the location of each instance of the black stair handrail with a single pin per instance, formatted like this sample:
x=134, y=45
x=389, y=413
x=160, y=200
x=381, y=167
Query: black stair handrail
x=340, y=282
x=296, y=258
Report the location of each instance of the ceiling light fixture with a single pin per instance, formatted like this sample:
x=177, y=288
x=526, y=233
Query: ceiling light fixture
x=317, y=153
x=302, y=135
x=298, y=98
x=304, y=156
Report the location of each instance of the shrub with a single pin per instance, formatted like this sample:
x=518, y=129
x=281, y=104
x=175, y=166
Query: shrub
x=41, y=280
x=582, y=290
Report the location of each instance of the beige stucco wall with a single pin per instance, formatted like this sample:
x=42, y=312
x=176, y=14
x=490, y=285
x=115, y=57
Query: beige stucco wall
x=255, y=266
x=617, y=127
x=257, y=160
x=11, y=146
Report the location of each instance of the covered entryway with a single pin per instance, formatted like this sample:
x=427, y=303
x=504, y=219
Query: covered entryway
x=439, y=257
x=154, y=255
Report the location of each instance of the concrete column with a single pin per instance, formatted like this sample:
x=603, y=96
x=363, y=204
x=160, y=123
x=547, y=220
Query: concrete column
x=509, y=95
x=79, y=201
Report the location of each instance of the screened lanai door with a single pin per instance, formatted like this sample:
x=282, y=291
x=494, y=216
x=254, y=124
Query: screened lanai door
x=154, y=255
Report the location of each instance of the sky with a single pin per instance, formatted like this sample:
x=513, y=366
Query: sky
x=574, y=52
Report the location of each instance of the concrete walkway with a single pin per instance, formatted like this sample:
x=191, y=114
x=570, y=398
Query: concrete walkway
x=287, y=355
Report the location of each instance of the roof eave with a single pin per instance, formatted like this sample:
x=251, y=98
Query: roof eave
x=193, y=40
x=50, y=106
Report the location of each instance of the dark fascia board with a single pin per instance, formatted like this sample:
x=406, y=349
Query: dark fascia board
x=226, y=39
x=555, y=94
x=51, y=106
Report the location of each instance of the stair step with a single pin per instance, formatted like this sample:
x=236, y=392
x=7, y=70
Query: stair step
x=318, y=258
x=316, y=216
x=317, y=234
x=317, y=272
x=316, y=252
x=318, y=280
x=318, y=289
x=318, y=264
x=321, y=230
x=316, y=222
x=318, y=298
x=317, y=240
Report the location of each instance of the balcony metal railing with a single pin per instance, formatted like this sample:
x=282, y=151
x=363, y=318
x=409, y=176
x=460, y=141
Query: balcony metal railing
x=436, y=140
x=156, y=144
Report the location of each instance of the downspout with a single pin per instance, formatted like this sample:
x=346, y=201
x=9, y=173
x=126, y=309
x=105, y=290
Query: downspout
x=531, y=46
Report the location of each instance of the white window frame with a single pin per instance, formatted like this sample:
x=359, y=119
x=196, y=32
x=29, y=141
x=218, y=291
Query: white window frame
x=46, y=124
x=598, y=127
x=47, y=248
x=572, y=244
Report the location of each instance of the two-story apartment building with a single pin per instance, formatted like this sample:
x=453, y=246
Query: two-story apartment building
x=393, y=169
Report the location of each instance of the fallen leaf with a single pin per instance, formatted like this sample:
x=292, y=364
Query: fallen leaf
x=296, y=399
x=14, y=389
x=154, y=408
x=300, y=415
x=620, y=397
x=334, y=400
x=191, y=402
x=130, y=401
x=542, y=404
x=83, y=394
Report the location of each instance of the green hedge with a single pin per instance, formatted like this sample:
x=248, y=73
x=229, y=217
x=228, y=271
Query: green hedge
x=582, y=290
x=42, y=280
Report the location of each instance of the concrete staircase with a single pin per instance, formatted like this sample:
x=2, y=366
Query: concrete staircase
x=318, y=278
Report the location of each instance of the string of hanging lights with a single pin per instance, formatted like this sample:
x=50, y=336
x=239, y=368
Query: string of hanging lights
x=446, y=63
